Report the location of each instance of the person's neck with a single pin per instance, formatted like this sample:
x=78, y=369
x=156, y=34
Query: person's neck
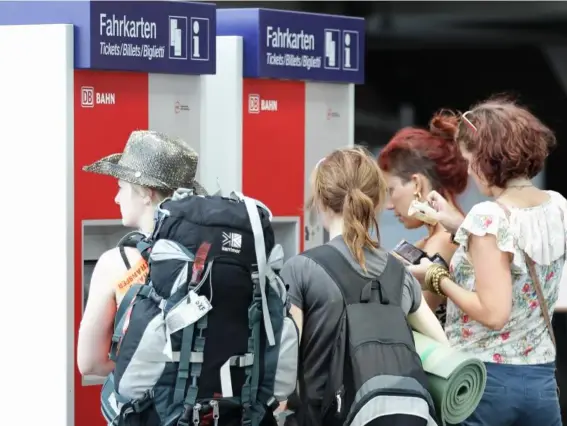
x=517, y=183
x=146, y=225
x=432, y=230
x=335, y=227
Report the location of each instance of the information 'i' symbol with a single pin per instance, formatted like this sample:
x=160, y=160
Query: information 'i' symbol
x=347, y=50
x=195, y=37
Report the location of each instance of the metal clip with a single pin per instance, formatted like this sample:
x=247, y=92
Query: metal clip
x=196, y=415
x=216, y=413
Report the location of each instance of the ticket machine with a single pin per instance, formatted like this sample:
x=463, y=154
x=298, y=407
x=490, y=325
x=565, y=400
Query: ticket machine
x=137, y=65
x=282, y=98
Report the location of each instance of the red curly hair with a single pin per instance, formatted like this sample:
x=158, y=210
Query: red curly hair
x=505, y=139
x=432, y=153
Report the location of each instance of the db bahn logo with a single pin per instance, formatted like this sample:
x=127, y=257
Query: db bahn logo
x=90, y=98
x=256, y=104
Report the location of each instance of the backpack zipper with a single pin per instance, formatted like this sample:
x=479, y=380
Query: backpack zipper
x=196, y=414
x=339, y=399
x=216, y=413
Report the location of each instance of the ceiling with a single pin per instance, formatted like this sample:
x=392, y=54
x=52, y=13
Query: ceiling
x=416, y=27
x=393, y=24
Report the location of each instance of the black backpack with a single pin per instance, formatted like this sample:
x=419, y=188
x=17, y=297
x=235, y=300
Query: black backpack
x=376, y=377
x=203, y=342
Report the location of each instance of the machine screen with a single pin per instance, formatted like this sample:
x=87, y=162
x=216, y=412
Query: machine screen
x=88, y=268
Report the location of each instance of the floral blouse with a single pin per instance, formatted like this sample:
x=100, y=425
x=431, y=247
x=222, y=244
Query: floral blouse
x=540, y=231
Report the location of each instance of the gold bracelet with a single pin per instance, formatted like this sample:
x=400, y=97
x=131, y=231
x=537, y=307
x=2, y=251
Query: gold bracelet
x=433, y=276
x=429, y=276
x=443, y=273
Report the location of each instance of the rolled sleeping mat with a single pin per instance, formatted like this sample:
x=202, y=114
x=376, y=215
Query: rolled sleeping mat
x=456, y=380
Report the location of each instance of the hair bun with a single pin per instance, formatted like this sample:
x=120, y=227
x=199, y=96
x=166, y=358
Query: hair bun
x=444, y=124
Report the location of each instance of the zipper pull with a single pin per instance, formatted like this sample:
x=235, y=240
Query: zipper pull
x=196, y=415
x=216, y=413
x=339, y=399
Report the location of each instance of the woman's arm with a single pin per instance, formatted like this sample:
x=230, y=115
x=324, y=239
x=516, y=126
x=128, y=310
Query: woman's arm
x=424, y=321
x=491, y=303
x=420, y=316
x=97, y=324
x=438, y=244
x=297, y=315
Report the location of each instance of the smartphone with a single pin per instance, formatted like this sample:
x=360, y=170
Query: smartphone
x=409, y=252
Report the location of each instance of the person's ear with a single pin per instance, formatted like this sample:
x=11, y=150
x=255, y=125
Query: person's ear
x=418, y=186
x=148, y=196
x=421, y=185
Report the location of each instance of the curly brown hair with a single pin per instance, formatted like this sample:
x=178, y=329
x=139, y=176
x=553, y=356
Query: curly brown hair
x=506, y=140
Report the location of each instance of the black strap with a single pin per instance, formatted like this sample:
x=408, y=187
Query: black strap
x=353, y=286
x=124, y=257
x=131, y=239
x=392, y=279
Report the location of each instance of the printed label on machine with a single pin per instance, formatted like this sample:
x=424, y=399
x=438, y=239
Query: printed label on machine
x=161, y=36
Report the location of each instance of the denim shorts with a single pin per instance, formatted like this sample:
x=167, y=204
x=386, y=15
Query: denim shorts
x=518, y=395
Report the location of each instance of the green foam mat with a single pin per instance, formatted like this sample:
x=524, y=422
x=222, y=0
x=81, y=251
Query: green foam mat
x=456, y=380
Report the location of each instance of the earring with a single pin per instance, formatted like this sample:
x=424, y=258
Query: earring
x=417, y=195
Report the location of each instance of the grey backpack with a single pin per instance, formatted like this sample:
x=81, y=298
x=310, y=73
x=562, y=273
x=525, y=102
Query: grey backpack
x=208, y=339
x=375, y=376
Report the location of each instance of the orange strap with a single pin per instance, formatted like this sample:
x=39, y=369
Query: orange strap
x=135, y=275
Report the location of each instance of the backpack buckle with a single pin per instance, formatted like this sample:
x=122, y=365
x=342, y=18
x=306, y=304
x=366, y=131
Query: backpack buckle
x=150, y=293
x=140, y=405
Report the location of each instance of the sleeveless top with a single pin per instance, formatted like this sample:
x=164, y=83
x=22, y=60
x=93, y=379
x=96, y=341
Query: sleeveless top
x=541, y=232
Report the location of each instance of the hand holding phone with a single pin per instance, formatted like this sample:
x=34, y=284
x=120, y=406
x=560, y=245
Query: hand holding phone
x=409, y=252
x=413, y=255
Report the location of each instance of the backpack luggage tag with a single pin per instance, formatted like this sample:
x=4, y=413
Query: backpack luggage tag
x=192, y=308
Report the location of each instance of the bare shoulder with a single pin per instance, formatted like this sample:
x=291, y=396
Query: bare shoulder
x=110, y=259
x=438, y=238
x=110, y=267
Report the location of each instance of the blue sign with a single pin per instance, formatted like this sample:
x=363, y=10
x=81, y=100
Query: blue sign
x=151, y=36
x=297, y=45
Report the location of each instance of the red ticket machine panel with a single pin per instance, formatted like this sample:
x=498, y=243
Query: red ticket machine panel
x=107, y=107
x=273, y=151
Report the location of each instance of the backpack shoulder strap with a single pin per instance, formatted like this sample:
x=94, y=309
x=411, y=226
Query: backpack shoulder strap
x=124, y=257
x=354, y=287
x=392, y=279
x=131, y=239
x=120, y=319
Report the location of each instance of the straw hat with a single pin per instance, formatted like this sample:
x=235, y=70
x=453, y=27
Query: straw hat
x=153, y=160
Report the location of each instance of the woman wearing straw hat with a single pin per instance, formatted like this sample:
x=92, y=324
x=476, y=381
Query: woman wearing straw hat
x=149, y=170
